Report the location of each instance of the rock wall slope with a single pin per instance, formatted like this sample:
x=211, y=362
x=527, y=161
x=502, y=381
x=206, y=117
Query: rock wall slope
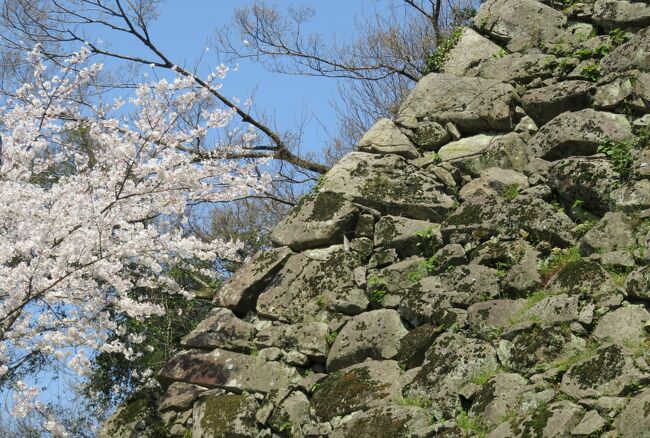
x=479, y=267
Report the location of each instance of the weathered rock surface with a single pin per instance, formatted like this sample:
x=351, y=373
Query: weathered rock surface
x=506, y=219
x=221, y=329
x=312, y=282
x=520, y=23
x=360, y=386
x=621, y=13
x=468, y=53
x=632, y=332
x=586, y=180
x=546, y=103
x=223, y=369
x=607, y=373
x=452, y=361
x=578, y=133
x=472, y=104
x=634, y=54
x=240, y=292
x=320, y=219
x=386, y=138
x=372, y=335
x=217, y=416
x=390, y=184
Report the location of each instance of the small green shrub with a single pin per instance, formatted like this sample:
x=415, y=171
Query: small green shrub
x=377, y=295
x=500, y=53
x=436, y=61
x=558, y=259
x=620, y=153
x=510, y=192
x=618, y=36
x=565, y=66
x=591, y=72
x=331, y=337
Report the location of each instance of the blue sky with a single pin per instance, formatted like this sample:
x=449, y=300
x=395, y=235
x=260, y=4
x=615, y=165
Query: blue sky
x=184, y=27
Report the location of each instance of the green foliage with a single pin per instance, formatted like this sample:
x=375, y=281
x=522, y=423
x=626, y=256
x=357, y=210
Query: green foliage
x=510, y=192
x=591, y=72
x=500, y=53
x=436, y=61
x=435, y=156
x=620, y=153
x=319, y=184
x=565, y=66
x=484, y=376
x=584, y=228
x=377, y=295
x=427, y=241
x=470, y=426
x=558, y=259
x=419, y=402
x=598, y=52
x=331, y=337
x=425, y=268
x=618, y=36
x=162, y=337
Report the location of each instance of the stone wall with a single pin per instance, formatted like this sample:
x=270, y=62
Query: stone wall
x=479, y=267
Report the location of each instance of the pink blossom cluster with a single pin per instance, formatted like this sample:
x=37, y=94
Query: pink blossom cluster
x=93, y=198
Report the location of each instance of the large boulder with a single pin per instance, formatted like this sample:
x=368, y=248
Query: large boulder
x=472, y=155
x=309, y=338
x=632, y=197
x=407, y=236
x=240, y=292
x=545, y=103
x=319, y=219
x=621, y=13
x=608, y=373
x=637, y=284
x=221, y=329
x=225, y=416
x=634, y=54
x=386, y=138
x=468, y=53
x=634, y=421
x=586, y=180
x=578, y=133
x=390, y=184
x=625, y=326
x=371, y=335
x=227, y=370
x=474, y=105
x=520, y=24
x=384, y=422
x=361, y=386
x=452, y=361
x=508, y=219
x=498, y=398
x=614, y=232
x=518, y=68
x=311, y=284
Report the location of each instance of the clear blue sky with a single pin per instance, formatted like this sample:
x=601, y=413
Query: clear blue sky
x=184, y=26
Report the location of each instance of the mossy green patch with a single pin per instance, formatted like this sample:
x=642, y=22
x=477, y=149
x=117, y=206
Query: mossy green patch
x=345, y=391
x=220, y=412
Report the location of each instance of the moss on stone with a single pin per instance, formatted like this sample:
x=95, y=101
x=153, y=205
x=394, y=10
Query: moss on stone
x=468, y=215
x=219, y=413
x=380, y=426
x=345, y=391
x=605, y=366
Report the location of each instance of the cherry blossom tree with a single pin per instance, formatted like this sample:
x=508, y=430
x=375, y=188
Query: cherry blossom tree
x=85, y=222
